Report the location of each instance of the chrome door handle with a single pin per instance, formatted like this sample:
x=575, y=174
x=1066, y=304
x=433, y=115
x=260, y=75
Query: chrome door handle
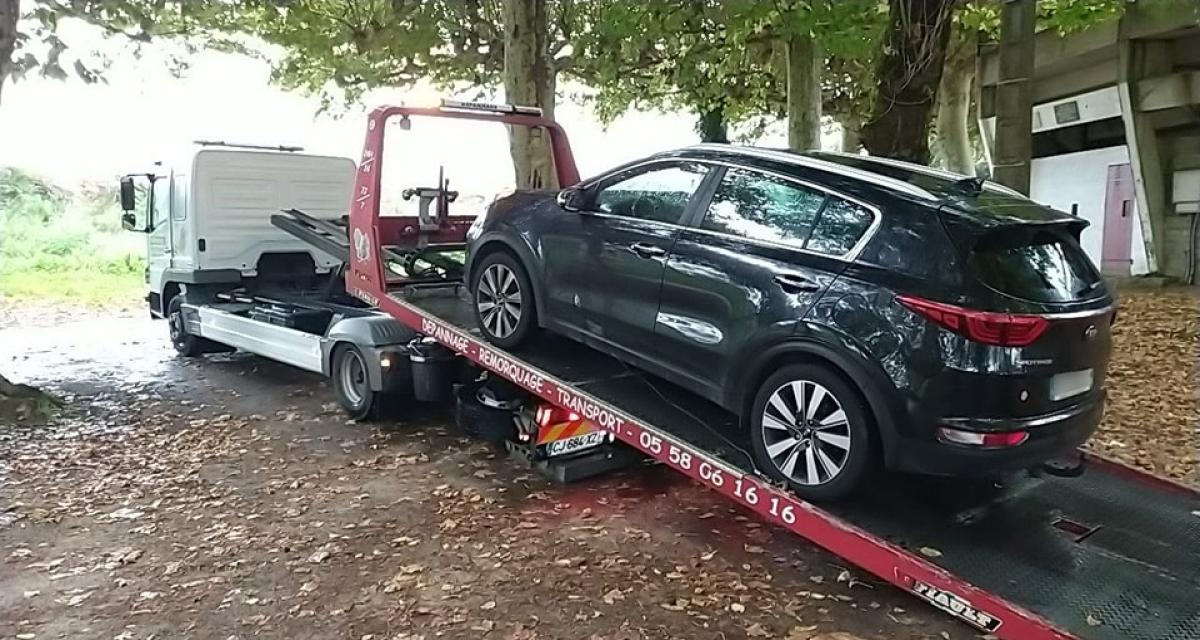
x=648, y=250
x=795, y=283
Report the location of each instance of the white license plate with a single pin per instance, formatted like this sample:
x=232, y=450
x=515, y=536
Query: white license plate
x=1072, y=383
x=575, y=443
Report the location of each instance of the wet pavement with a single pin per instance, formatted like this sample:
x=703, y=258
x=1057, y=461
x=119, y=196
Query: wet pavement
x=226, y=497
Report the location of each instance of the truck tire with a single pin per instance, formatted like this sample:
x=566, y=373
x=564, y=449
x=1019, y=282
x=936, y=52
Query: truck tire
x=186, y=344
x=352, y=385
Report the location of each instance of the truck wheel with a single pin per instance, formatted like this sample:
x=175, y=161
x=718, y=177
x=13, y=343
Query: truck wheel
x=352, y=385
x=809, y=429
x=503, y=297
x=186, y=344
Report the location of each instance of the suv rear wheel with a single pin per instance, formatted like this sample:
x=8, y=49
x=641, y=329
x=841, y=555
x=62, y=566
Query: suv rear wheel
x=810, y=430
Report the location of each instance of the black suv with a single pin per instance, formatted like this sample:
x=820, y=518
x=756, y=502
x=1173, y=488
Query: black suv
x=852, y=310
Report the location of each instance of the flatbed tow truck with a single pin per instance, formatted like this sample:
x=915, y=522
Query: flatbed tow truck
x=1098, y=550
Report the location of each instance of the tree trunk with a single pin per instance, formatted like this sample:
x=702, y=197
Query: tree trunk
x=1012, y=159
x=20, y=402
x=954, y=103
x=711, y=125
x=529, y=79
x=10, y=10
x=804, y=65
x=851, y=134
x=908, y=73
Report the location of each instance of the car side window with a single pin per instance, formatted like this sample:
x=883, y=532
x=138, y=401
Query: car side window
x=659, y=194
x=762, y=207
x=840, y=227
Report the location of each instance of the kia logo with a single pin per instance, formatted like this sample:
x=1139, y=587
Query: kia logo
x=1091, y=332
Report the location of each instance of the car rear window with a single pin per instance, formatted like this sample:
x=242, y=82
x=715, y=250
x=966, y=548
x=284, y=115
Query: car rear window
x=1042, y=265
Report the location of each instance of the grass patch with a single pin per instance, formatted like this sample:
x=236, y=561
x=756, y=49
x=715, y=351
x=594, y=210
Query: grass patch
x=65, y=245
x=86, y=288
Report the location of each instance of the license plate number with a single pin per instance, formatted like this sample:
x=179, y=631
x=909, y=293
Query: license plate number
x=575, y=443
x=1072, y=383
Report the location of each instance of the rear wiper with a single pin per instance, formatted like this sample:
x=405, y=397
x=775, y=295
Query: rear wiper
x=969, y=186
x=1088, y=287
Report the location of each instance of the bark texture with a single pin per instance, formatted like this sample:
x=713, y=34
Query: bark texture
x=1013, y=153
x=20, y=402
x=10, y=10
x=955, y=104
x=804, y=64
x=851, y=136
x=529, y=79
x=908, y=72
x=712, y=126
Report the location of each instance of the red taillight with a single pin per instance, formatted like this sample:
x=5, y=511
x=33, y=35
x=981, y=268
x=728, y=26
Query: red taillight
x=547, y=415
x=988, y=327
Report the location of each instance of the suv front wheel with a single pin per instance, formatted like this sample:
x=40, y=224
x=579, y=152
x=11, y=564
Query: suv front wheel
x=503, y=300
x=809, y=429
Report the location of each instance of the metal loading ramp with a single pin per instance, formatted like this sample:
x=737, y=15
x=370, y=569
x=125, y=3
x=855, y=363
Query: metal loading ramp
x=1112, y=554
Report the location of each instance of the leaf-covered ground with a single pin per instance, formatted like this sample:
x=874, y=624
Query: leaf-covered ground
x=227, y=498
x=1152, y=420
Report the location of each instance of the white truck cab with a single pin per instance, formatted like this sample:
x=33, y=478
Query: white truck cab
x=207, y=219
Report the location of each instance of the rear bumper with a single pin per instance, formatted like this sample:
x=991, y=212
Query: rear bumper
x=1050, y=436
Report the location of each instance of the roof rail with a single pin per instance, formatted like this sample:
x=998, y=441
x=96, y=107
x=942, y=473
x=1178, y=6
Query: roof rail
x=920, y=168
x=823, y=165
x=241, y=145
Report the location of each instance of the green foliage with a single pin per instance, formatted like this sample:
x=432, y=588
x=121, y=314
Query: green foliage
x=727, y=55
x=1062, y=16
x=61, y=244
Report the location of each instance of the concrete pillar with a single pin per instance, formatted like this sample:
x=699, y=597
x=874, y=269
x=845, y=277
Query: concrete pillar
x=1139, y=59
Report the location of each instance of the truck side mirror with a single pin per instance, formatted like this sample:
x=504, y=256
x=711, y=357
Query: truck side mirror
x=128, y=196
x=570, y=199
x=129, y=221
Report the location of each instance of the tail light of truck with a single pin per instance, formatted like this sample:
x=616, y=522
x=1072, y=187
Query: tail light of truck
x=547, y=415
x=987, y=327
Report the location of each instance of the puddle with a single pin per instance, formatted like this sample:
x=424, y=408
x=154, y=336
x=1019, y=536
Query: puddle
x=119, y=351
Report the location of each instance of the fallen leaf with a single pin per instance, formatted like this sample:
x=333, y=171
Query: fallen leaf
x=756, y=630
x=126, y=513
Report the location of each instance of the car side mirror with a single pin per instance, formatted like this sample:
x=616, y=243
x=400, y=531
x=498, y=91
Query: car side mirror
x=129, y=221
x=128, y=195
x=570, y=199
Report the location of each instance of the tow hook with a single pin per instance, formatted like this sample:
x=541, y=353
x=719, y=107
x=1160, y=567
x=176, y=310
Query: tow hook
x=1071, y=466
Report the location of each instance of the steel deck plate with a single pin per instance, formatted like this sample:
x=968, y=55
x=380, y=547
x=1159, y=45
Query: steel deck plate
x=1128, y=569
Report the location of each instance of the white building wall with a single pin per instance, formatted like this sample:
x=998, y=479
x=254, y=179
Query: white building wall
x=1082, y=178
